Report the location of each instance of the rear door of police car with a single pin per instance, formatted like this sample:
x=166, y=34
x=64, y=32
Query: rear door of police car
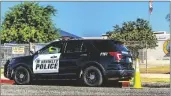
x=74, y=53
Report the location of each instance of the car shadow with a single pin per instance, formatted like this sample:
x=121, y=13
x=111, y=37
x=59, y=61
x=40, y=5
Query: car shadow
x=73, y=83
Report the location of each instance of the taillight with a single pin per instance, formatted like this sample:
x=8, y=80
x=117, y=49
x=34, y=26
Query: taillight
x=117, y=55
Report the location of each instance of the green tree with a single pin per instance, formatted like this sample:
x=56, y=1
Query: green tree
x=29, y=22
x=137, y=34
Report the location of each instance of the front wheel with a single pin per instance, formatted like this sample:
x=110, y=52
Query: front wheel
x=92, y=76
x=21, y=76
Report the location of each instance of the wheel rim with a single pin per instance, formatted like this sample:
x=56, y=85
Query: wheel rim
x=21, y=76
x=92, y=77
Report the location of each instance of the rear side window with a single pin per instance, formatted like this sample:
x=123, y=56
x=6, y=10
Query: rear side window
x=121, y=47
x=104, y=45
x=73, y=46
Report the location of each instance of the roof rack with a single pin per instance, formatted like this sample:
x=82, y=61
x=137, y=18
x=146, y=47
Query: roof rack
x=80, y=39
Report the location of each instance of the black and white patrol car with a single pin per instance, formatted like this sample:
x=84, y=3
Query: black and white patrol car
x=92, y=61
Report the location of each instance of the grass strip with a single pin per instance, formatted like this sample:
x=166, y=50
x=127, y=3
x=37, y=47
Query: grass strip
x=159, y=69
x=156, y=80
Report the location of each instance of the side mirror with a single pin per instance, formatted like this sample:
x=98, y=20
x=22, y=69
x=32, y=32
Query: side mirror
x=36, y=53
x=31, y=52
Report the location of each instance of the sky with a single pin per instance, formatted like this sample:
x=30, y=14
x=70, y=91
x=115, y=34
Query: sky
x=96, y=18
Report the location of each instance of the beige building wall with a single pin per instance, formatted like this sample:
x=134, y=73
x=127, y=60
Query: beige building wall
x=157, y=55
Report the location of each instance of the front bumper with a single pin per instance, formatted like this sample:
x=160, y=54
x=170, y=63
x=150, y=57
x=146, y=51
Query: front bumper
x=7, y=71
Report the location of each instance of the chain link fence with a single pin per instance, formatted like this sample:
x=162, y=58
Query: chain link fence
x=8, y=51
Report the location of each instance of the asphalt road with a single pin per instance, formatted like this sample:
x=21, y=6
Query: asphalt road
x=72, y=88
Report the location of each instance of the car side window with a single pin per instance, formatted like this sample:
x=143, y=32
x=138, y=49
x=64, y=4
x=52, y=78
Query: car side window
x=104, y=46
x=52, y=48
x=73, y=46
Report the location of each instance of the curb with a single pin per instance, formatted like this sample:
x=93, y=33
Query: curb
x=6, y=81
x=155, y=85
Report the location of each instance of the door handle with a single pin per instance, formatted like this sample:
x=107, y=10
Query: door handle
x=53, y=57
x=83, y=55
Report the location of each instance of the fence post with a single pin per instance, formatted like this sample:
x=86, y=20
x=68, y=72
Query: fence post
x=146, y=58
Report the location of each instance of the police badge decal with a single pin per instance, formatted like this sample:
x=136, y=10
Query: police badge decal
x=166, y=48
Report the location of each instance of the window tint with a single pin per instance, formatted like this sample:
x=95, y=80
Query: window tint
x=104, y=45
x=121, y=47
x=73, y=46
x=52, y=48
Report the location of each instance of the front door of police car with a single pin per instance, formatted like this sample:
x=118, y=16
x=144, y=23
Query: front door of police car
x=47, y=61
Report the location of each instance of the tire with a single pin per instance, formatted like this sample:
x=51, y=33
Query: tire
x=95, y=79
x=22, y=76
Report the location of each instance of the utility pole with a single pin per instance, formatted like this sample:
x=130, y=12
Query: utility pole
x=146, y=58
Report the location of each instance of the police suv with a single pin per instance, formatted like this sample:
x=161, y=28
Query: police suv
x=91, y=61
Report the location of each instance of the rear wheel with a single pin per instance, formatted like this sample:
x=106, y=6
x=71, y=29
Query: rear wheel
x=92, y=76
x=21, y=76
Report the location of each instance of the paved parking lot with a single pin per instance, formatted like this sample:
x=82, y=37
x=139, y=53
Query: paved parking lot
x=34, y=90
x=72, y=88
